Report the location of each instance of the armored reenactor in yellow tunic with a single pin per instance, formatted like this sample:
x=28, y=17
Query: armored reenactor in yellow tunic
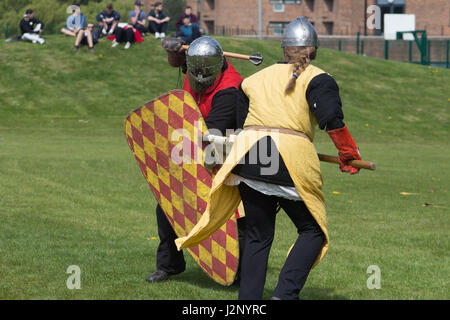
x=286, y=101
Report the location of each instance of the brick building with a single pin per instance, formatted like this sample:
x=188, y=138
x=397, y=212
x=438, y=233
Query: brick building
x=330, y=17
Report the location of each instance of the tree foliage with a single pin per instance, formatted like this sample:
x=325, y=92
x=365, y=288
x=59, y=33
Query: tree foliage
x=173, y=8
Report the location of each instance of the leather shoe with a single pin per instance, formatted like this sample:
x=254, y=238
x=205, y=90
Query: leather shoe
x=158, y=276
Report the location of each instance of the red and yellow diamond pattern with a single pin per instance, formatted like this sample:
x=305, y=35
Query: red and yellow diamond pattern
x=165, y=138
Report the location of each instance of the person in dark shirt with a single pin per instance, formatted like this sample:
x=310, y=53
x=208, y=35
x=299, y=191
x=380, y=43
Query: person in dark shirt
x=88, y=38
x=31, y=28
x=108, y=19
x=189, y=31
x=216, y=94
x=158, y=21
x=187, y=13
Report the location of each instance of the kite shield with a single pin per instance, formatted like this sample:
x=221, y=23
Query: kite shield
x=165, y=136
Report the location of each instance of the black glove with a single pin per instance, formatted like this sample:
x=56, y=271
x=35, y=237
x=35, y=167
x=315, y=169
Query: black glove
x=172, y=44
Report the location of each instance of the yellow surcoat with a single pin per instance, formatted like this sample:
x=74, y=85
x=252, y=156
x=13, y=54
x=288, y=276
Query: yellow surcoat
x=271, y=107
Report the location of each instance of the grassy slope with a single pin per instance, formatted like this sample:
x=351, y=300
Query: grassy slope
x=71, y=193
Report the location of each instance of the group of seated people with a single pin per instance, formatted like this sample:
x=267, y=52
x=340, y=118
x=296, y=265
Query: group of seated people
x=133, y=31
x=109, y=25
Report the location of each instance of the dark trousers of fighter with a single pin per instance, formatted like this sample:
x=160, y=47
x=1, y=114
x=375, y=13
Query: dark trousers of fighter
x=260, y=213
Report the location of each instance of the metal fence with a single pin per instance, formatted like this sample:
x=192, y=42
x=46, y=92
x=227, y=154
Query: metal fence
x=437, y=51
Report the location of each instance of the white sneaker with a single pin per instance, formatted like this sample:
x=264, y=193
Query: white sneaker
x=157, y=35
x=42, y=41
x=127, y=45
x=114, y=44
x=162, y=35
x=104, y=31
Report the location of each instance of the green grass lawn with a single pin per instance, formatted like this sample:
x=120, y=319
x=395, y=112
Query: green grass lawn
x=72, y=194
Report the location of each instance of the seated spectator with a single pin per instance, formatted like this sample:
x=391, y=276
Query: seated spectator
x=138, y=18
x=187, y=13
x=108, y=19
x=189, y=31
x=88, y=38
x=31, y=28
x=158, y=21
x=75, y=23
x=127, y=34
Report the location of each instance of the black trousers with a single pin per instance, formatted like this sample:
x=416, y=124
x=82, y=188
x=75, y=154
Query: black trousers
x=124, y=35
x=154, y=27
x=168, y=258
x=139, y=27
x=260, y=213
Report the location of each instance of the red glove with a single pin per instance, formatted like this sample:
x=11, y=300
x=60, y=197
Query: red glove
x=347, y=149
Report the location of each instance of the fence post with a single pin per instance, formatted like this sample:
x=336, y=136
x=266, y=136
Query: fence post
x=410, y=52
x=6, y=30
x=386, y=49
x=429, y=52
x=423, y=48
x=340, y=45
x=362, y=47
x=357, y=43
x=448, y=54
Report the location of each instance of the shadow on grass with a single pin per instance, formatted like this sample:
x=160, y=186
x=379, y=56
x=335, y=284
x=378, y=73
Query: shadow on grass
x=312, y=294
x=320, y=294
x=200, y=279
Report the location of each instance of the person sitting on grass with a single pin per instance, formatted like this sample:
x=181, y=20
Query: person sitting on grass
x=137, y=17
x=31, y=28
x=189, y=31
x=127, y=35
x=158, y=21
x=108, y=19
x=187, y=13
x=88, y=38
x=75, y=23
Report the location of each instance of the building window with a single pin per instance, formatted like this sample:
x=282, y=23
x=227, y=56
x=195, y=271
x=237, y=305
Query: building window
x=278, y=7
x=210, y=26
x=285, y=1
x=211, y=4
x=328, y=27
x=330, y=5
x=310, y=4
x=278, y=27
x=386, y=6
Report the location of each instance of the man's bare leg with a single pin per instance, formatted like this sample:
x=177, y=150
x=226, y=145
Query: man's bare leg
x=68, y=32
x=89, y=40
